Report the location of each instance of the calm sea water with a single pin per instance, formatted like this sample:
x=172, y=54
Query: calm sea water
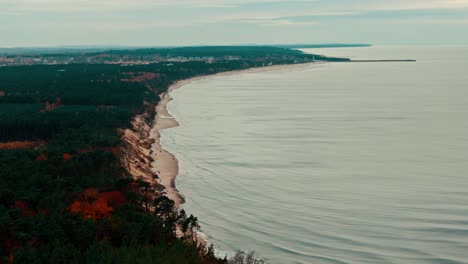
x=331, y=163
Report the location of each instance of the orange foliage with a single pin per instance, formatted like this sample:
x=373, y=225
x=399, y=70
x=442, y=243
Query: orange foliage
x=114, y=198
x=97, y=209
x=24, y=208
x=41, y=157
x=9, y=245
x=95, y=205
x=67, y=156
x=91, y=194
x=114, y=150
x=20, y=144
x=140, y=77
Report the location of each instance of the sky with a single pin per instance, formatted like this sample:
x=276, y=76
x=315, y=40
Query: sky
x=28, y=23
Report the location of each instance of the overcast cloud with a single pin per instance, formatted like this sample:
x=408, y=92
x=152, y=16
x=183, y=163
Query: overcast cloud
x=203, y=22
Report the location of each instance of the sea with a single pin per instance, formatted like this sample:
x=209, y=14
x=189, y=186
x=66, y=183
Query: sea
x=331, y=162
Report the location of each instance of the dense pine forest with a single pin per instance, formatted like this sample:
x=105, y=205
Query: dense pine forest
x=64, y=194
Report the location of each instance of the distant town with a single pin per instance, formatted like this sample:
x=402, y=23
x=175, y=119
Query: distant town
x=61, y=59
x=134, y=56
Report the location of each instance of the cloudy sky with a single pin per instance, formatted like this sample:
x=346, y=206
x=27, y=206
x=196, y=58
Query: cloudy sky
x=202, y=22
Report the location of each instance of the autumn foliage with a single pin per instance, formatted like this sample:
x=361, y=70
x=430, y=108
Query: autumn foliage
x=41, y=157
x=96, y=205
x=25, y=209
x=67, y=156
x=139, y=77
x=20, y=144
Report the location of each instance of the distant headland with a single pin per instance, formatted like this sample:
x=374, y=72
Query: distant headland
x=323, y=46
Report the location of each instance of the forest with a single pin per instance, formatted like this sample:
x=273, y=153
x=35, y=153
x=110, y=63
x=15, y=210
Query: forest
x=64, y=195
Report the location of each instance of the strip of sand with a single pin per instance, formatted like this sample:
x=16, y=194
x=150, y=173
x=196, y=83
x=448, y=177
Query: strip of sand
x=165, y=164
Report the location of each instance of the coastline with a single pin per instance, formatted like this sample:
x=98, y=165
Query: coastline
x=165, y=165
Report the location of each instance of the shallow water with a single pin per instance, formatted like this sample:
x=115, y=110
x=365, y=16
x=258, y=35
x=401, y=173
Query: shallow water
x=331, y=163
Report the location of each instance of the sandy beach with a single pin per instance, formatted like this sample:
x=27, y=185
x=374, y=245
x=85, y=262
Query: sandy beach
x=165, y=164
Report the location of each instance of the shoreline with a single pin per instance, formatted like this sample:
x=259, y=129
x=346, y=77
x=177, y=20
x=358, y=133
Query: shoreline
x=165, y=164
